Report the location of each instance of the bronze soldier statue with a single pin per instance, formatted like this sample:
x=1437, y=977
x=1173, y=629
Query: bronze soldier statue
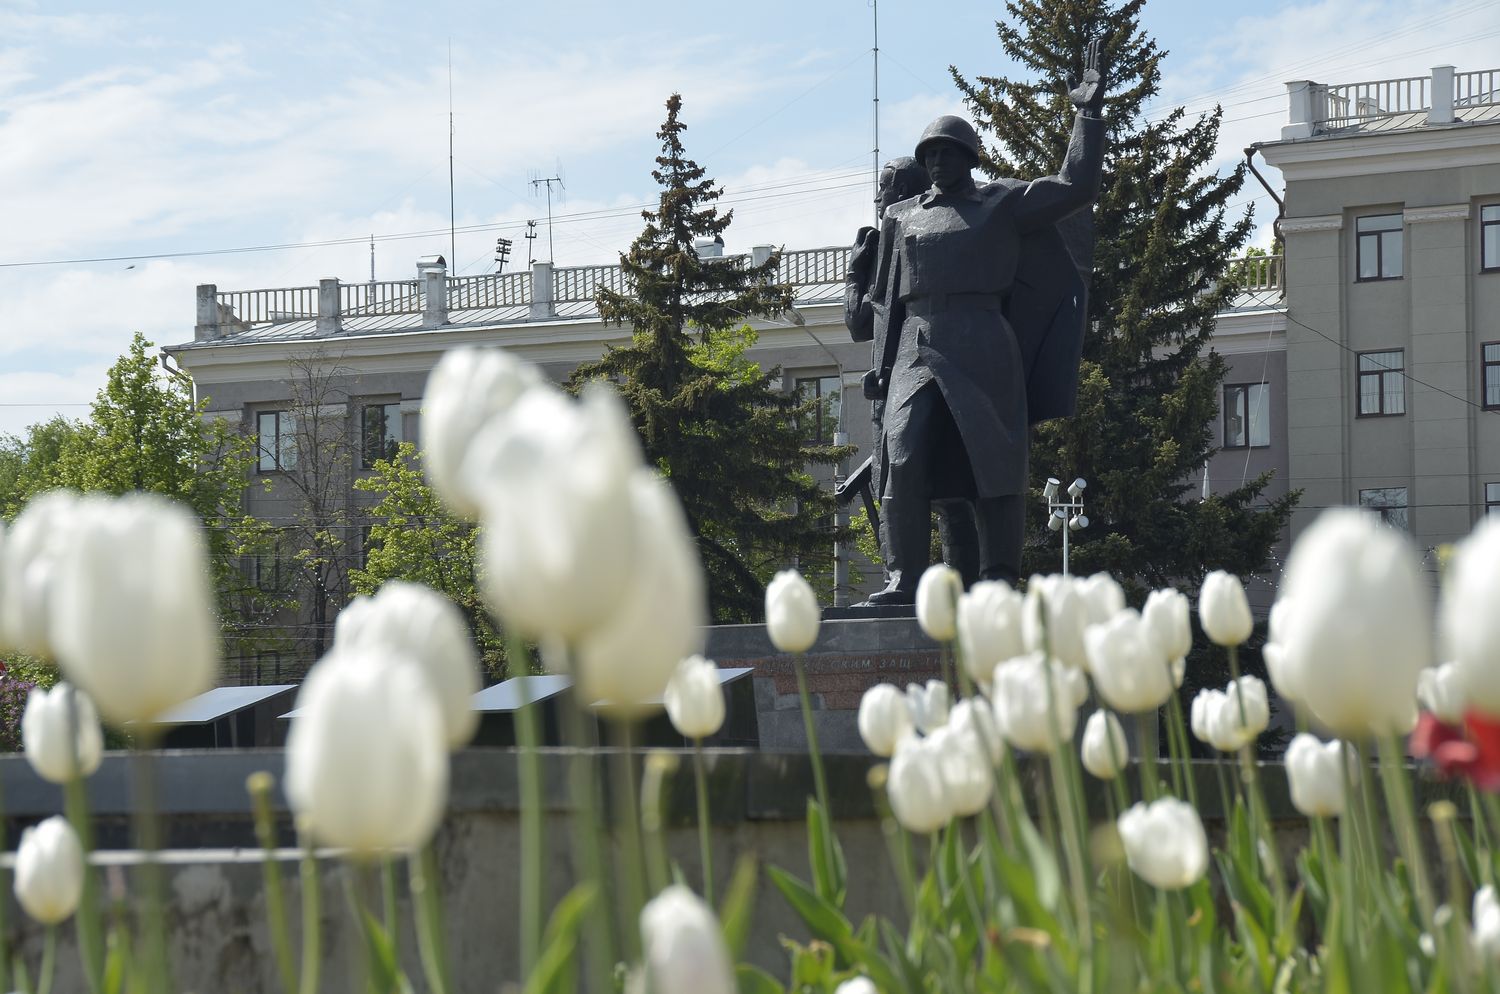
x=900, y=179
x=980, y=326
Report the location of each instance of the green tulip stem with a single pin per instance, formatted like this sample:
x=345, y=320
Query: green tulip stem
x=49, y=961
x=1177, y=731
x=705, y=845
x=76, y=805
x=529, y=775
x=1480, y=822
x=427, y=897
x=1452, y=939
x=1261, y=825
x=1348, y=845
x=628, y=817
x=1067, y=813
x=1145, y=724
x=588, y=842
x=1117, y=796
x=147, y=820
x=656, y=787
x=312, y=919
x=259, y=786
x=945, y=666
x=4, y=900
x=1398, y=797
x=815, y=755
x=388, y=901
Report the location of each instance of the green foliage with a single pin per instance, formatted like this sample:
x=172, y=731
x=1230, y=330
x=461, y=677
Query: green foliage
x=1149, y=382
x=29, y=465
x=713, y=422
x=414, y=537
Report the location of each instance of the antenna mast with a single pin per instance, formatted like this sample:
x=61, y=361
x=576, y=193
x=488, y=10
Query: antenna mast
x=372, y=257
x=875, y=24
x=452, y=224
x=549, y=180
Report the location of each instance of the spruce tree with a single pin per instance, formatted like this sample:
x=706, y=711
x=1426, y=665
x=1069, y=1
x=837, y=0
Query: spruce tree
x=713, y=422
x=1149, y=383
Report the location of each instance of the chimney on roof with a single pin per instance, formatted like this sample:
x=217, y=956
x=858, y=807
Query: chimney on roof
x=709, y=248
x=432, y=283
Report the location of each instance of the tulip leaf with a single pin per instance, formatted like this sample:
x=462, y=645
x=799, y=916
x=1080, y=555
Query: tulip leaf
x=825, y=855
x=1044, y=867
x=385, y=971
x=753, y=980
x=829, y=924
x=738, y=907
x=554, y=972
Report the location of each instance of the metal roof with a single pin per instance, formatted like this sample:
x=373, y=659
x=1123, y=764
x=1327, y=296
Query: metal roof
x=219, y=703
x=518, y=691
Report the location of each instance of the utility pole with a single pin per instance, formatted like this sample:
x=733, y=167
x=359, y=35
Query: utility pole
x=452, y=225
x=530, y=241
x=549, y=180
x=372, y=257
x=875, y=50
x=502, y=253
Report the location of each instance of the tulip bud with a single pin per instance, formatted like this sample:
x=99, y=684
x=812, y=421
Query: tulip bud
x=28, y=571
x=1314, y=776
x=989, y=627
x=60, y=733
x=629, y=659
x=418, y=623
x=1441, y=690
x=1103, y=597
x=1129, y=670
x=1105, y=751
x=695, y=700
x=965, y=768
x=1359, y=631
x=1220, y=720
x=1020, y=696
x=1223, y=609
x=1165, y=843
x=1471, y=624
x=1054, y=618
x=915, y=786
x=683, y=946
x=792, y=612
x=49, y=871
x=928, y=705
x=366, y=757
x=1166, y=618
x=466, y=389
x=558, y=547
x=937, y=599
x=1486, y=924
x=884, y=718
x=133, y=620
x=972, y=722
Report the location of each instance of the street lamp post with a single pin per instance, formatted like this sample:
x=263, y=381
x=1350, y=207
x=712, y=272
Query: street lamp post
x=1059, y=517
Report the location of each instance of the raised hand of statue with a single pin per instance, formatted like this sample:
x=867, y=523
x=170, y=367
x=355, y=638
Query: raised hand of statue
x=1088, y=93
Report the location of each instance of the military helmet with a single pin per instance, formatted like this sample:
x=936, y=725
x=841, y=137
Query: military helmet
x=904, y=177
x=951, y=129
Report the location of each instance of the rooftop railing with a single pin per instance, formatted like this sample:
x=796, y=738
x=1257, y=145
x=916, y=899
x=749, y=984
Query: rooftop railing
x=1441, y=97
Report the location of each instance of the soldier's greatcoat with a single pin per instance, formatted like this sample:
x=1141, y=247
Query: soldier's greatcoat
x=954, y=269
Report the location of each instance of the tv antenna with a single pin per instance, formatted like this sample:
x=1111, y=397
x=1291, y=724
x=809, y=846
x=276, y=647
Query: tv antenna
x=548, y=180
x=530, y=241
x=452, y=223
x=372, y=257
x=875, y=52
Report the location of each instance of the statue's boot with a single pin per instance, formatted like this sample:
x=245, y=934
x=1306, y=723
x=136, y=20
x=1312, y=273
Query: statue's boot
x=960, y=538
x=1001, y=522
x=905, y=534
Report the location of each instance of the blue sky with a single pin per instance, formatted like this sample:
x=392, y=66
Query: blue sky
x=173, y=128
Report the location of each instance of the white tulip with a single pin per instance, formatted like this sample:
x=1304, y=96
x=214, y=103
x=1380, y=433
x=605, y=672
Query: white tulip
x=1166, y=615
x=60, y=733
x=858, y=985
x=1127, y=664
x=28, y=570
x=683, y=946
x=629, y=659
x=928, y=705
x=1105, y=751
x=1219, y=721
x=792, y=612
x=1359, y=632
x=49, y=871
x=418, y=623
x=1165, y=843
x=1020, y=696
x=132, y=606
x=1314, y=776
x=972, y=722
x=1486, y=924
x=937, y=599
x=1442, y=690
x=1471, y=623
x=918, y=794
x=1223, y=609
x=558, y=547
x=467, y=388
x=695, y=698
x=1054, y=617
x=1103, y=597
x=884, y=718
x=366, y=757
x=989, y=627
x=964, y=764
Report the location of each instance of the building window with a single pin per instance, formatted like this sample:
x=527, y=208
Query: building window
x=1489, y=373
x=825, y=416
x=1489, y=237
x=1388, y=502
x=1247, y=416
x=380, y=433
x=267, y=665
x=267, y=566
x=1378, y=247
x=1492, y=500
x=1382, y=383
x=277, y=431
